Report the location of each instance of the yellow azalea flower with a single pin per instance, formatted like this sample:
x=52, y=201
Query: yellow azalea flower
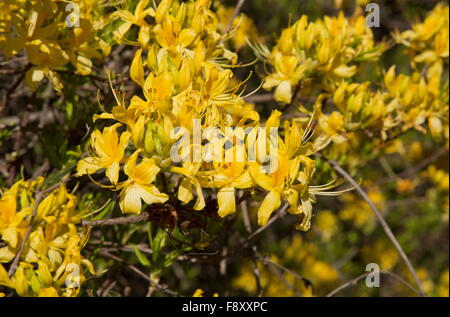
x=427, y=42
x=189, y=170
x=70, y=271
x=288, y=72
x=139, y=185
x=48, y=292
x=12, y=223
x=331, y=128
x=172, y=37
x=48, y=41
x=157, y=90
x=4, y=279
x=331, y=48
x=226, y=176
x=138, y=18
x=108, y=152
x=278, y=184
x=198, y=293
x=131, y=117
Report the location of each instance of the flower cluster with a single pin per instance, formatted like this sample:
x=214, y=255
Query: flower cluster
x=318, y=54
x=50, y=262
x=182, y=67
x=186, y=143
x=427, y=42
x=405, y=102
x=52, y=34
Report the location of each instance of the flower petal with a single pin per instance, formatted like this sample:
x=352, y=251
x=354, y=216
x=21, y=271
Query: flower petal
x=226, y=201
x=271, y=202
x=130, y=200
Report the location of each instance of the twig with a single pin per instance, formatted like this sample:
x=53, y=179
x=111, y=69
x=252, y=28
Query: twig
x=143, y=217
x=259, y=98
x=39, y=196
x=404, y=202
x=245, y=243
x=108, y=245
x=257, y=274
x=275, y=270
x=245, y=216
x=285, y=269
x=382, y=221
x=235, y=14
x=159, y=287
x=280, y=214
x=417, y=167
x=109, y=288
x=248, y=228
x=362, y=276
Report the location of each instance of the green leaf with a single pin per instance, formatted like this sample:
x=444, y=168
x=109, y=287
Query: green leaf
x=170, y=258
x=157, y=245
x=141, y=257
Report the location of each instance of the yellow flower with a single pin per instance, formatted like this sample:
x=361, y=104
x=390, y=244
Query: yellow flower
x=318, y=54
x=4, y=279
x=288, y=72
x=12, y=223
x=189, y=171
x=108, y=152
x=138, y=18
x=427, y=42
x=199, y=293
x=157, y=90
x=226, y=176
x=139, y=185
x=171, y=36
x=48, y=292
x=278, y=183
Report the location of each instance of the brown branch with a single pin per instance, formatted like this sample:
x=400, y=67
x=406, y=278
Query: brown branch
x=411, y=171
x=266, y=260
x=248, y=228
x=278, y=273
x=259, y=98
x=360, y=277
x=235, y=14
x=143, y=217
x=280, y=214
x=245, y=216
x=380, y=217
x=159, y=287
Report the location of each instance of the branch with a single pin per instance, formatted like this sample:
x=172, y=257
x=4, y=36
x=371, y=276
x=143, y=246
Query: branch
x=259, y=98
x=280, y=214
x=159, y=287
x=427, y=161
x=266, y=260
x=275, y=270
x=383, y=222
x=235, y=14
x=143, y=217
x=362, y=276
x=39, y=196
